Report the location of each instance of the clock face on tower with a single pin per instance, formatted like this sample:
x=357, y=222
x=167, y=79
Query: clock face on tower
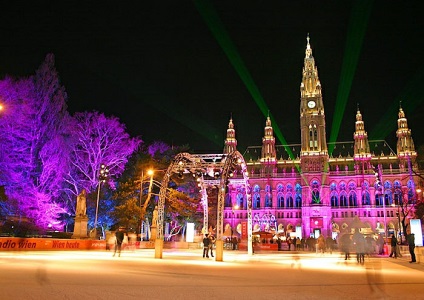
x=311, y=104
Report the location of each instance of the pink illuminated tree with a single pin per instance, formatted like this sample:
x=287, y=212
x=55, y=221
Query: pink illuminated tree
x=98, y=140
x=34, y=144
x=46, y=156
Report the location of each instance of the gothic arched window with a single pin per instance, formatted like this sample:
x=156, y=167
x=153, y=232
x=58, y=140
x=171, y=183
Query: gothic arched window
x=268, y=200
x=334, y=200
x=228, y=200
x=388, y=198
x=411, y=191
x=298, y=203
x=315, y=197
x=343, y=200
x=378, y=199
x=352, y=199
x=366, y=199
x=289, y=201
x=397, y=197
x=280, y=200
x=256, y=201
x=313, y=137
x=240, y=200
x=315, y=192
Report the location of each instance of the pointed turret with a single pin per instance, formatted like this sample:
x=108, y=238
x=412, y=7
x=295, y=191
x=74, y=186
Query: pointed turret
x=405, y=144
x=362, y=147
x=310, y=86
x=268, y=143
x=230, y=141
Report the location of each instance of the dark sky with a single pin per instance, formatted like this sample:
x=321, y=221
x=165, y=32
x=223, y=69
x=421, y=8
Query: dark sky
x=157, y=66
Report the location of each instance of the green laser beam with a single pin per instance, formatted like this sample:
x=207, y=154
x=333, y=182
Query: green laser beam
x=218, y=30
x=357, y=26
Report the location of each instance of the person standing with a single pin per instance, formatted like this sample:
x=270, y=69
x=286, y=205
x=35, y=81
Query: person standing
x=279, y=243
x=359, y=241
x=329, y=243
x=410, y=238
x=119, y=234
x=321, y=244
x=393, y=245
x=298, y=243
x=211, y=243
x=380, y=244
x=346, y=242
x=206, y=242
x=235, y=242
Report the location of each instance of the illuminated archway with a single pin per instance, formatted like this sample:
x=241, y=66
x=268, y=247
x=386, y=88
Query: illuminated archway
x=212, y=169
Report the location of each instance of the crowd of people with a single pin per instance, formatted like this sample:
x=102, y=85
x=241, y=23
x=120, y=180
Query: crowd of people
x=346, y=243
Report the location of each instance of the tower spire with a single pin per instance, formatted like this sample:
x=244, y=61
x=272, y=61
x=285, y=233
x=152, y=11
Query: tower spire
x=362, y=148
x=310, y=86
x=308, y=47
x=230, y=141
x=405, y=144
x=268, y=143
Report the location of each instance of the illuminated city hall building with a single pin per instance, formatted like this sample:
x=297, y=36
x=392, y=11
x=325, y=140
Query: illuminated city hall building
x=302, y=188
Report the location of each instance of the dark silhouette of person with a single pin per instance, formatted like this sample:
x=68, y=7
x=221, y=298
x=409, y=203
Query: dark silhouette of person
x=359, y=241
x=380, y=243
x=346, y=243
x=119, y=234
x=393, y=245
x=279, y=243
x=235, y=241
x=410, y=238
x=206, y=242
x=211, y=243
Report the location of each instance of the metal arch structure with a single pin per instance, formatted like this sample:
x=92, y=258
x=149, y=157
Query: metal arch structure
x=204, y=184
x=216, y=167
x=233, y=161
x=205, y=205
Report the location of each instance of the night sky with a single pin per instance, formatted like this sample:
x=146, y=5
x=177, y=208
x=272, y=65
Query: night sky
x=159, y=68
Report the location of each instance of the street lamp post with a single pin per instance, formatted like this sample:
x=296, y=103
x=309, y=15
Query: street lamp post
x=103, y=174
x=143, y=207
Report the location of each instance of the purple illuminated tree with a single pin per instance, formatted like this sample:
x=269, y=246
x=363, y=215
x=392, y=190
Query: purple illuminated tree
x=97, y=140
x=34, y=144
x=46, y=156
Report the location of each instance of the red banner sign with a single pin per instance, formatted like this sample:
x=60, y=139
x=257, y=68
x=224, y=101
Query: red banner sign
x=28, y=244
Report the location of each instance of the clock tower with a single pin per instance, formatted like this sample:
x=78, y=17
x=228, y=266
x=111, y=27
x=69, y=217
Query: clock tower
x=316, y=209
x=314, y=154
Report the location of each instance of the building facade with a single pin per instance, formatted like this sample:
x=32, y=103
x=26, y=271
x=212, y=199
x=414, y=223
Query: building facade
x=315, y=187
